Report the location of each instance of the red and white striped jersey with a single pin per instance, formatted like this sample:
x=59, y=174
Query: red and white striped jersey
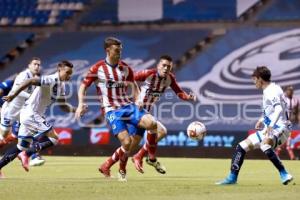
x=154, y=86
x=111, y=83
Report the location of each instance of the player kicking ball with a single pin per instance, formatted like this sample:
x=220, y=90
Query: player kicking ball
x=154, y=82
x=275, y=124
x=32, y=116
x=112, y=77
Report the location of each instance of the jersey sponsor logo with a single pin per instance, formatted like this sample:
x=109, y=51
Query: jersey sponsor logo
x=115, y=84
x=153, y=93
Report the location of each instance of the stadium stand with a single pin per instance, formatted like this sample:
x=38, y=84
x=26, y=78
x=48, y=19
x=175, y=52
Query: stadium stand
x=12, y=44
x=281, y=10
x=38, y=12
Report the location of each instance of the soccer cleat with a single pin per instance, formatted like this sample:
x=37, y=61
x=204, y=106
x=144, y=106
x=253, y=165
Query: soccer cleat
x=159, y=167
x=285, y=177
x=231, y=179
x=24, y=160
x=1, y=175
x=138, y=163
x=105, y=170
x=122, y=176
x=37, y=161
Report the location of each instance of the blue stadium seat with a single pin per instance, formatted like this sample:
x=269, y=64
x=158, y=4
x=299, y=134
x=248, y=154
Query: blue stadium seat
x=281, y=10
x=13, y=9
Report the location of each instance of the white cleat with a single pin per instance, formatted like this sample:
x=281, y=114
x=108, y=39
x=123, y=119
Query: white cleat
x=122, y=176
x=38, y=161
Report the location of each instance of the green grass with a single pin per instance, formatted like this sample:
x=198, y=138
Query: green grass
x=186, y=179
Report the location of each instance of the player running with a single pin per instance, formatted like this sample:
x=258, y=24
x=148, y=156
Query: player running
x=154, y=83
x=11, y=111
x=112, y=77
x=33, y=122
x=275, y=124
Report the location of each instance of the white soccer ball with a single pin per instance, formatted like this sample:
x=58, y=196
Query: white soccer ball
x=196, y=130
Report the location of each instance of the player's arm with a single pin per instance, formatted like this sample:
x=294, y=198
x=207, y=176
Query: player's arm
x=142, y=75
x=23, y=86
x=275, y=100
x=87, y=81
x=65, y=106
x=20, y=79
x=179, y=91
x=131, y=80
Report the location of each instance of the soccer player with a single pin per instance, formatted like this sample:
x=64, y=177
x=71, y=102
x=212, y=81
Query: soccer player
x=276, y=128
x=112, y=77
x=11, y=110
x=154, y=83
x=33, y=122
x=293, y=111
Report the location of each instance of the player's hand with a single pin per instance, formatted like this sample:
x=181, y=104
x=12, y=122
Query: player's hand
x=9, y=98
x=192, y=96
x=269, y=131
x=259, y=125
x=81, y=109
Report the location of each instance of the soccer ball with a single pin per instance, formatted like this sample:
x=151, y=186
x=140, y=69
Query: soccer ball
x=196, y=130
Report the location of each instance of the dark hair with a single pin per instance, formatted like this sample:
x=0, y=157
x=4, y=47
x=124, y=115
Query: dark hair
x=65, y=63
x=34, y=58
x=289, y=87
x=166, y=57
x=262, y=72
x=109, y=41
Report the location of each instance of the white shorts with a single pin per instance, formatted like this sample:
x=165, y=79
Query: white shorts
x=279, y=136
x=9, y=115
x=32, y=125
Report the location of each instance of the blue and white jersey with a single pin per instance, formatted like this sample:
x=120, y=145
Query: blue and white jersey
x=5, y=86
x=42, y=97
x=13, y=108
x=273, y=96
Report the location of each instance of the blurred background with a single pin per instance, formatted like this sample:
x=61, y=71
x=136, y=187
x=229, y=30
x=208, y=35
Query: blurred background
x=215, y=45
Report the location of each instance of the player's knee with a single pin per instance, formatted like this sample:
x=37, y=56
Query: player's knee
x=126, y=143
x=162, y=130
x=265, y=146
x=245, y=145
x=54, y=140
x=23, y=144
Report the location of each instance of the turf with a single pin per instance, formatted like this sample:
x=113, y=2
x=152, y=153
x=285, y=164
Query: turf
x=186, y=179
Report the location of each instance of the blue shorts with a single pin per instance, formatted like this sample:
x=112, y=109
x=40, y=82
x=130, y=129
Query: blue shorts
x=118, y=120
x=134, y=130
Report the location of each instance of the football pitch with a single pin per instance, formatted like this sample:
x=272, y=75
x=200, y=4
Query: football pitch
x=186, y=179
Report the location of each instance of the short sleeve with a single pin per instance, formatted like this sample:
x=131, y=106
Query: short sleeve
x=91, y=76
x=48, y=80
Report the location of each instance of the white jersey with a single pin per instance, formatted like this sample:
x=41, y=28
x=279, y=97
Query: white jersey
x=12, y=109
x=42, y=97
x=273, y=96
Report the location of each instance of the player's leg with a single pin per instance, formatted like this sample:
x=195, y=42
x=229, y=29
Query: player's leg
x=5, y=126
x=47, y=137
x=136, y=139
x=114, y=158
x=267, y=146
x=290, y=149
x=252, y=142
x=118, y=127
x=24, y=141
